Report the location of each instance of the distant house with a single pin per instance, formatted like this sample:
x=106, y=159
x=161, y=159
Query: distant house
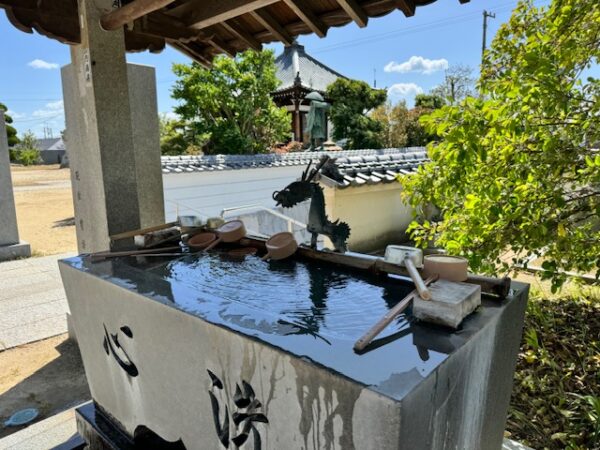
x=300, y=74
x=52, y=150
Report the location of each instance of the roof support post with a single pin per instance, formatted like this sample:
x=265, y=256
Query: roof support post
x=297, y=122
x=111, y=137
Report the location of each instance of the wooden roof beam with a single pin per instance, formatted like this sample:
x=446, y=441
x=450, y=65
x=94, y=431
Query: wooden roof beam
x=240, y=33
x=221, y=46
x=265, y=18
x=354, y=11
x=194, y=53
x=406, y=6
x=205, y=13
x=130, y=12
x=303, y=11
x=169, y=28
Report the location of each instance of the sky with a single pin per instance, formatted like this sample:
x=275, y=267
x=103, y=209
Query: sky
x=405, y=55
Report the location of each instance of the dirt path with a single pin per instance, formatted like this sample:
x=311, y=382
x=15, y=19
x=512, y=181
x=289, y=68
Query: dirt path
x=38, y=175
x=43, y=199
x=47, y=375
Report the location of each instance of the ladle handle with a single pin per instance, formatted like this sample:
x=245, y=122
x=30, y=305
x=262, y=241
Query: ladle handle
x=387, y=319
x=266, y=257
x=416, y=277
x=213, y=245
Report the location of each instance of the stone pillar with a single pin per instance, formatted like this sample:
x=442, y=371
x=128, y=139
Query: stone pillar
x=112, y=135
x=297, y=123
x=10, y=245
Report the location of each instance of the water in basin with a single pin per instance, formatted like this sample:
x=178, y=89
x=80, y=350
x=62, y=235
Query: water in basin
x=283, y=297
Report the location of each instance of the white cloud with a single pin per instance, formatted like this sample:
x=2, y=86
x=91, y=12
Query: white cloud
x=170, y=115
x=41, y=64
x=52, y=109
x=417, y=64
x=15, y=115
x=55, y=106
x=404, y=90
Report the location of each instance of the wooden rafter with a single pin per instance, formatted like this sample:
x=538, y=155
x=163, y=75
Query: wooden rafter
x=266, y=20
x=406, y=6
x=204, y=28
x=161, y=25
x=221, y=46
x=141, y=42
x=234, y=28
x=193, y=52
x=303, y=11
x=205, y=13
x=62, y=25
x=130, y=12
x=355, y=11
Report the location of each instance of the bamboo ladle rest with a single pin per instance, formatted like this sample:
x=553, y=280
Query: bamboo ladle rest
x=499, y=287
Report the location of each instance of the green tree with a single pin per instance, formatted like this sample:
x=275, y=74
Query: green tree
x=429, y=101
x=457, y=85
x=178, y=139
x=27, y=151
x=11, y=132
x=351, y=101
x=393, y=120
x=518, y=169
x=416, y=134
x=231, y=103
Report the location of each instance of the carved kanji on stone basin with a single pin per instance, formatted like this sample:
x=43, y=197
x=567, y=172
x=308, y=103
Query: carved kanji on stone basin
x=241, y=423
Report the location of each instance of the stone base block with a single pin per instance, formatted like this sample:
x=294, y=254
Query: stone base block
x=14, y=251
x=450, y=303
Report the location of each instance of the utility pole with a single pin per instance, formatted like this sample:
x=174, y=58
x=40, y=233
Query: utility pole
x=374, y=78
x=486, y=14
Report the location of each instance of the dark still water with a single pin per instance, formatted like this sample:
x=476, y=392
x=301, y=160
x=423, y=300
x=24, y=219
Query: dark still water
x=289, y=297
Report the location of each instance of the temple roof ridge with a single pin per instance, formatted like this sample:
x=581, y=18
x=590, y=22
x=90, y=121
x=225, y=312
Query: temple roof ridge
x=295, y=67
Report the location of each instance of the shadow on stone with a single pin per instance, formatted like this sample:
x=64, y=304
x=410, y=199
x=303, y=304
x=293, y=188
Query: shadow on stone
x=52, y=388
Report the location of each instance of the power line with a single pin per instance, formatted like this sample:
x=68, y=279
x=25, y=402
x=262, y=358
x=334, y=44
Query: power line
x=416, y=28
x=30, y=99
x=393, y=34
x=39, y=119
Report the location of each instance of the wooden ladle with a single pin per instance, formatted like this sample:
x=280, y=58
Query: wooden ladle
x=280, y=246
x=229, y=232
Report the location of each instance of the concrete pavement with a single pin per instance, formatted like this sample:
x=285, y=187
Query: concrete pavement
x=49, y=433
x=32, y=301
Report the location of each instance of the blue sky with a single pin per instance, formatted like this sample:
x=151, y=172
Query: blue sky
x=415, y=51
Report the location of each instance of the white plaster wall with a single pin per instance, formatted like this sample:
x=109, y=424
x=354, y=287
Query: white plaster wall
x=376, y=214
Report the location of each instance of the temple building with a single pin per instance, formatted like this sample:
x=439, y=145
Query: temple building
x=300, y=74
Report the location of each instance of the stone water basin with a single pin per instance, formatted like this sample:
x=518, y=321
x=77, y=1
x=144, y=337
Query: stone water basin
x=180, y=346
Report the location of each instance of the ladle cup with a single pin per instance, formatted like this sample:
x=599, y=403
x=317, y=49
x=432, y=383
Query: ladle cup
x=280, y=246
x=229, y=232
x=201, y=240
